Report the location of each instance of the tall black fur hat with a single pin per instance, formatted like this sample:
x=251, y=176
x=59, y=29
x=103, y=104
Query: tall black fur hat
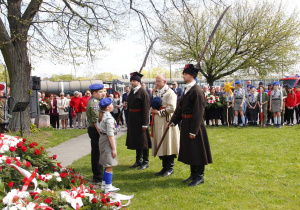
x=190, y=69
x=136, y=76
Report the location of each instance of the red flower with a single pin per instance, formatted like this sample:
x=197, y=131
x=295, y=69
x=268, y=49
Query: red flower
x=54, y=157
x=0, y=168
x=93, y=192
x=28, y=164
x=24, y=149
x=91, y=186
x=37, y=152
x=18, y=163
x=103, y=200
x=8, y=161
x=73, y=181
x=47, y=200
x=40, y=177
x=19, y=144
x=12, y=149
x=10, y=184
x=63, y=175
x=0, y=155
x=118, y=203
x=34, y=143
x=59, y=165
x=94, y=200
x=36, y=169
x=41, y=148
x=108, y=199
x=31, y=145
x=24, y=140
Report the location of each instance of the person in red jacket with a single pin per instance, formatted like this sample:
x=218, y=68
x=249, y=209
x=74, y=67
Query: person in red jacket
x=75, y=103
x=297, y=108
x=290, y=103
x=83, y=102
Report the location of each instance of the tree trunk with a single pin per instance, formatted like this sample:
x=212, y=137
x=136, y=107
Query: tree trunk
x=210, y=80
x=19, y=70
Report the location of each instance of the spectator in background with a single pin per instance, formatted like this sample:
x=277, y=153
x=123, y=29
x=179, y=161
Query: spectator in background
x=70, y=118
x=270, y=114
x=39, y=96
x=75, y=103
x=117, y=104
x=80, y=95
x=148, y=91
x=53, y=112
x=43, y=96
x=177, y=90
x=248, y=83
x=206, y=92
x=124, y=101
x=83, y=102
x=297, y=108
x=290, y=103
x=62, y=104
x=110, y=96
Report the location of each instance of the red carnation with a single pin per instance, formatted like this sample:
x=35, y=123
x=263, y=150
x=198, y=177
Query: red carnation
x=18, y=163
x=59, y=165
x=41, y=148
x=8, y=161
x=54, y=157
x=63, y=175
x=186, y=66
x=108, y=199
x=12, y=149
x=94, y=200
x=24, y=140
x=24, y=149
x=19, y=144
x=28, y=164
x=40, y=177
x=36, y=169
x=118, y=203
x=91, y=186
x=47, y=200
x=31, y=145
x=0, y=168
x=34, y=143
x=93, y=192
x=103, y=200
x=10, y=184
x=37, y=152
x=73, y=181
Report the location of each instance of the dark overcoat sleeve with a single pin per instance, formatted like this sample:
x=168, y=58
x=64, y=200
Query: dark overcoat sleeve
x=198, y=112
x=176, y=118
x=146, y=108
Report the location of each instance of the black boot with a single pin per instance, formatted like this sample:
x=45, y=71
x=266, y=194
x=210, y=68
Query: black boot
x=145, y=159
x=139, y=159
x=193, y=173
x=198, y=176
x=170, y=166
x=164, y=165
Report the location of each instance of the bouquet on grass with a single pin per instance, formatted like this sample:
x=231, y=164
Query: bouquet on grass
x=30, y=179
x=44, y=106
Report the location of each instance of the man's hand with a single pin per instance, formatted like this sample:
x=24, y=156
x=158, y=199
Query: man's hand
x=114, y=153
x=192, y=136
x=154, y=111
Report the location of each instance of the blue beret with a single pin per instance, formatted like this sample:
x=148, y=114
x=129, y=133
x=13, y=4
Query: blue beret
x=96, y=86
x=249, y=86
x=276, y=83
x=105, y=102
x=238, y=82
x=156, y=103
x=252, y=86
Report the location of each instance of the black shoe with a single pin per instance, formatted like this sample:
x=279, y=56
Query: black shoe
x=235, y=125
x=192, y=177
x=136, y=164
x=168, y=172
x=144, y=166
x=196, y=181
x=161, y=172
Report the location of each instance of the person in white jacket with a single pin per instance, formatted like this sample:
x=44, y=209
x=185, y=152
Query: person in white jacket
x=63, y=105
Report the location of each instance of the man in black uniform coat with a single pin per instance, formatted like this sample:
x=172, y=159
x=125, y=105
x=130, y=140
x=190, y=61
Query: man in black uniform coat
x=138, y=136
x=194, y=145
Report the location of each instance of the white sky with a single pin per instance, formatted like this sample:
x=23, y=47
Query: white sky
x=123, y=57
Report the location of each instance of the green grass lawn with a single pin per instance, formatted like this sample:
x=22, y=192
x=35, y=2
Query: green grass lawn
x=48, y=137
x=253, y=168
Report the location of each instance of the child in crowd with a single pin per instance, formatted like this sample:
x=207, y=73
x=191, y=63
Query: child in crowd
x=107, y=144
x=290, y=103
x=252, y=106
x=238, y=103
x=276, y=103
x=263, y=99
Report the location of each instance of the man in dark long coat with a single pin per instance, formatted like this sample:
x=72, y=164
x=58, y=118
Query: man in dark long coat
x=194, y=145
x=138, y=137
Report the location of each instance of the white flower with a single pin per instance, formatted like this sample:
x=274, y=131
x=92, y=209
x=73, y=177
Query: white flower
x=58, y=179
x=55, y=174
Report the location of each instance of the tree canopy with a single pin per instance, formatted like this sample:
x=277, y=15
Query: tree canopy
x=262, y=36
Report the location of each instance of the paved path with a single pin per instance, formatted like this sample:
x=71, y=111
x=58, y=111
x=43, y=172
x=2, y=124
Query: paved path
x=74, y=149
